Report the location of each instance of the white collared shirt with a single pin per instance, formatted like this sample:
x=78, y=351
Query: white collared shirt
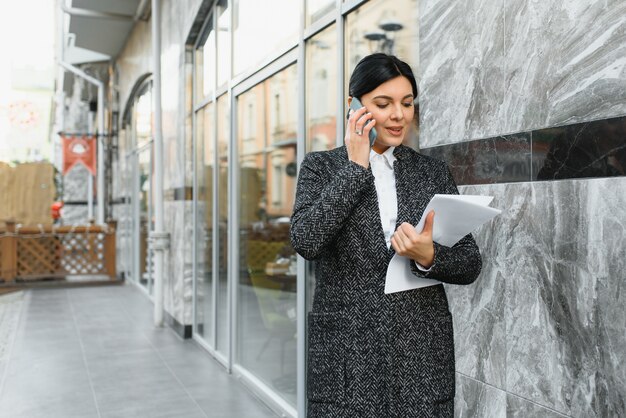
x=385, y=181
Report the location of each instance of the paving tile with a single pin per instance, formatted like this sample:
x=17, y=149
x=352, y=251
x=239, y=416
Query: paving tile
x=74, y=403
x=96, y=353
x=139, y=394
x=182, y=407
x=230, y=408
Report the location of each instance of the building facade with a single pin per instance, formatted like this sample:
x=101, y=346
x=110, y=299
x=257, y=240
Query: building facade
x=525, y=101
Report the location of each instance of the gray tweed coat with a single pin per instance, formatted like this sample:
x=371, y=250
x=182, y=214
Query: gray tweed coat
x=371, y=354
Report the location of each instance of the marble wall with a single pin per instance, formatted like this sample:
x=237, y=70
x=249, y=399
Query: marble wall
x=541, y=333
x=491, y=68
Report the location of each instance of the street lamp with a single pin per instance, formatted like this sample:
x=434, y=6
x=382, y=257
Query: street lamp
x=384, y=39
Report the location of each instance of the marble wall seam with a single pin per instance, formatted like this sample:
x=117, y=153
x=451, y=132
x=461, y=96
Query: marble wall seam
x=584, y=150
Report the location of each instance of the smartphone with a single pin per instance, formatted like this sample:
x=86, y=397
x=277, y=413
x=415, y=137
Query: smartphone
x=355, y=105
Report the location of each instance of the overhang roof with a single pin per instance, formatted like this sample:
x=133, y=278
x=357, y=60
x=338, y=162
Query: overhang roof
x=101, y=38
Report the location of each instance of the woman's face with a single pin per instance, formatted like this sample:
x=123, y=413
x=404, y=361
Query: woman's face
x=391, y=105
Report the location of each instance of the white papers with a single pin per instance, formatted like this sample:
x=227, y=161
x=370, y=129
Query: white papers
x=455, y=217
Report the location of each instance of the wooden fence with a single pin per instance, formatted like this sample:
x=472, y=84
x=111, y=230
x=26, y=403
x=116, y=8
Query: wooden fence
x=31, y=253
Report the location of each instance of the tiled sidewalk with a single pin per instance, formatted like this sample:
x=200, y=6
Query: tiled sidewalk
x=93, y=352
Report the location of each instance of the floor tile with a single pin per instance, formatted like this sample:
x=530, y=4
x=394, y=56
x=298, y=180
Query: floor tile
x=94, y=352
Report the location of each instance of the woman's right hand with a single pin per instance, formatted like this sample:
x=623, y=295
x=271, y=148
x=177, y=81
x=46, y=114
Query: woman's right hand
x=357, y=136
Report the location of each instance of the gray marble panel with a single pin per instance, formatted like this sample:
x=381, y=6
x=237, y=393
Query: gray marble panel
x=517, y=407
x=178, y=286
x=461, y=87
x=565, y=62
x=562, y=272
x=478, y=310
x=476, y=399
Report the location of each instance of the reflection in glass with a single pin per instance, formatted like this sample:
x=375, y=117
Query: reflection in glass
x=389, y=27
x=223, y=135
x=316, y=9
x=321, y=91
x=223, y=24
x=261, y=27
x=146, y=217
x=582, y=150
x=141, y=126
x=125, y=220
x=142, y=118
x=205, y=64
x=267, y=123
x=204, y=238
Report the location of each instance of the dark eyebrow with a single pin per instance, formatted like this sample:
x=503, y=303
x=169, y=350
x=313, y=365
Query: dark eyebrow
x=390, y=98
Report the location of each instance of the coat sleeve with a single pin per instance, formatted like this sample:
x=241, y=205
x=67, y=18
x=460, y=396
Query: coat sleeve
x=323, y=205
x=459, y=264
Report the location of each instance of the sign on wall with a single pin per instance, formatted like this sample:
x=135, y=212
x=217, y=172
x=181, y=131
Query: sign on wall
x=79, y=150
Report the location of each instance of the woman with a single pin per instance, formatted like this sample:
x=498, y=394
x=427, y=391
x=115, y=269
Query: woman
x=372, y=354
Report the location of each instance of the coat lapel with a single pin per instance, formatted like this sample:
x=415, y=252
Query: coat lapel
x=369, y=209
x=380, y=245
x=405, y=191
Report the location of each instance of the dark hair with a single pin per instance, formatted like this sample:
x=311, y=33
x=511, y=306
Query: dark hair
x=373, y=70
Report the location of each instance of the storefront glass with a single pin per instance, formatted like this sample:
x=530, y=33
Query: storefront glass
x=205, y=169
x=321, y=91
x=261, y=27
x=315, y=9
x=383, y=26
x=223, y=44
x=223, y=144
x=145, y=268
x=266, y=316
x=205, y=64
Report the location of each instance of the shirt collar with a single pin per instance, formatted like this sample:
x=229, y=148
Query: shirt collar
x=387, y=155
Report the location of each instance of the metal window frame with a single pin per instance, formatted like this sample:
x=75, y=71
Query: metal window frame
x=274, y=62
x=263, y=391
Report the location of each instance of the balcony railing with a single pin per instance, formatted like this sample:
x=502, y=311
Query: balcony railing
x=48, y=252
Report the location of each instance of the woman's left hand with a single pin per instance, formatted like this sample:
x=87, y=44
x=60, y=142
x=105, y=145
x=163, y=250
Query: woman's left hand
x=418, y=247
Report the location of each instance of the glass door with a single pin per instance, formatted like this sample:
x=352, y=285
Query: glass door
x=222, y=300
x=266, y=291
x=143, y=217
x=205, y=173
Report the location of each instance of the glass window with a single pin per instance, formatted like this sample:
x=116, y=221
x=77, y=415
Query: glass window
x=223, y=47
x=266, y=314
x=205, y=63
x=321, y=90
x=205, y=168
x=315, y=9
x=261, y=27
x=146, y=216
x=383, y=26
x=223, y=140
x=143, y=117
